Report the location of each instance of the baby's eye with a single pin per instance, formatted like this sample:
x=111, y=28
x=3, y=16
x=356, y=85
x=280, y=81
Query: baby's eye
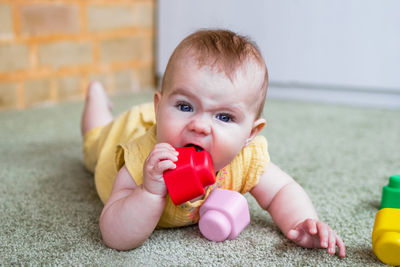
x=224, y=117
x=184, y=107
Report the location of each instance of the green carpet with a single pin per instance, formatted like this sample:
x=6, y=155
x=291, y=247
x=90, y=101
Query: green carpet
x=49, y=209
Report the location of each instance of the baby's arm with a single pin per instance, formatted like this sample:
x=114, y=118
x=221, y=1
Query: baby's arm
x=132, y=212
x=291, y=209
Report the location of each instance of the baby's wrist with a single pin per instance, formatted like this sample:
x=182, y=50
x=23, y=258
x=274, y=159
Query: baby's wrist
x=151, y=194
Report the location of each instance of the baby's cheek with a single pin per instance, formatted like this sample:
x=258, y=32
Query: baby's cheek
x=225, y=154
x=167, y=132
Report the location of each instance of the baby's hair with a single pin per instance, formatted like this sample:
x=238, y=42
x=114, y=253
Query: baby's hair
x=221, y=49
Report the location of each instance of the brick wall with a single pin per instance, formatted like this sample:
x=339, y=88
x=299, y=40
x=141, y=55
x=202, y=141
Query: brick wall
x=50, y=50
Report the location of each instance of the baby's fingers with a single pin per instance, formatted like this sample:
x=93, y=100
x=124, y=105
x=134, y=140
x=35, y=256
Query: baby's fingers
x=164, y=153
x=164, y=147
x=164, y=165
x=332, y=242
x=341, y=246
x=324, y=233
x=335, y=240
x=161, y=154
x=329, y=240
x=312, y=226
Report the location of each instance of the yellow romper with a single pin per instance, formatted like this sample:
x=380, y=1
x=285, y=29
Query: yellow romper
x=130, y=138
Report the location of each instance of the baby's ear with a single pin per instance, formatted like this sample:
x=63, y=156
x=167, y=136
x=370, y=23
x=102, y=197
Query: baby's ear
x=258, y=125
x=157, y=97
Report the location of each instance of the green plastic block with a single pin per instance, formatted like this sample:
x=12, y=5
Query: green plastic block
x=391, y=193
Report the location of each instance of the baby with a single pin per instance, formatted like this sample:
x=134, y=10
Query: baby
x=212, y=96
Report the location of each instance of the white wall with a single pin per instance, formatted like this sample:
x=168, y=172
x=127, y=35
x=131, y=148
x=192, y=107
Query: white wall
x=316, y=44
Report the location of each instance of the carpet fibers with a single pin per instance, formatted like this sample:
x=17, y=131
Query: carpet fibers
x=49, y=209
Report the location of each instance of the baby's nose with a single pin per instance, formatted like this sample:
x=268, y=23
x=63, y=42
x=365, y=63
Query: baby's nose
x=200, y=126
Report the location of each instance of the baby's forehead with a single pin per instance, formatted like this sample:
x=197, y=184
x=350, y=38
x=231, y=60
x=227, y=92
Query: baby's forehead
x=246, y=80
x=249, y=68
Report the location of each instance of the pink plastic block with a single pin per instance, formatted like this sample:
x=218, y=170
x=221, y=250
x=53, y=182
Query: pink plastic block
x=194, y=171
x=223, y=215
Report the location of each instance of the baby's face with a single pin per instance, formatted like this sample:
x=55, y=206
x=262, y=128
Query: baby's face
x=203, y=107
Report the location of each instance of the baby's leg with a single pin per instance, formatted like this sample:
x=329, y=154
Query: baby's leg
x=97, y=110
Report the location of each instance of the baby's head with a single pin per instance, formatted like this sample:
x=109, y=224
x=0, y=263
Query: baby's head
x=224, y=52
x=212, y=94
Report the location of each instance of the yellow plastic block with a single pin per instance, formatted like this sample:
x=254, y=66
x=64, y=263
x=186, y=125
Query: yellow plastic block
x=386, y=236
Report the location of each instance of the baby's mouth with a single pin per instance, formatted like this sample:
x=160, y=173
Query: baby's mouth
x=196, y=147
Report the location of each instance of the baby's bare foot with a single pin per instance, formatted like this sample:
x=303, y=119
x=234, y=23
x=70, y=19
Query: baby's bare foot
x=97, y=110
x=96, y=93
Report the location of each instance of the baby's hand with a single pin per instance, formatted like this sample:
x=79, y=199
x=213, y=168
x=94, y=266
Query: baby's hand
x=312, y=233
x=160, y=159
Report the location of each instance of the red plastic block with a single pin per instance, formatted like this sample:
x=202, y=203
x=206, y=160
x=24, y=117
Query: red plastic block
x=194, y=171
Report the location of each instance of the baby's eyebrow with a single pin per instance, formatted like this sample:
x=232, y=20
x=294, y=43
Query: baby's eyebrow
x=182, y=91
x=237, y=111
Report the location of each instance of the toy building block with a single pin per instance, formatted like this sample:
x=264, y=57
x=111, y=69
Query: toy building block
x=194, y=171
x=386, y=232
x=223, y=215
x=391, y=193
